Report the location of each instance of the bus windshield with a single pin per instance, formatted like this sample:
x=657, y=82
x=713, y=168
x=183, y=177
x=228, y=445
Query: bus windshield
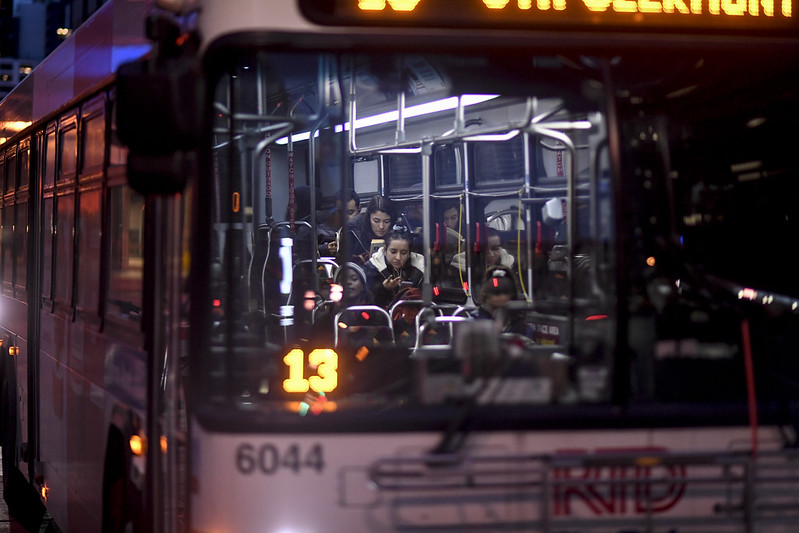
x=486, y=177
x=510, y=232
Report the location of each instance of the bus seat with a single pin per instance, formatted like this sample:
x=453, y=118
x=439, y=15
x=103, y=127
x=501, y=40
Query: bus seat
x=363, y=325
x=504, y=220
x=272, y=267
x=403, y=315
x=436, y=331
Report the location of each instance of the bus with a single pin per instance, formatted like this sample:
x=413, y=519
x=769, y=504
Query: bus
x=594, y=338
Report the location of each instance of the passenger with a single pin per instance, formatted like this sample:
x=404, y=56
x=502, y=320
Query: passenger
x=354, y=291
x=348, y=206
x=497, y=290
x=394, y=268
x=352, y=279
x=451, y=216
x=374, y=224
x=495, y=254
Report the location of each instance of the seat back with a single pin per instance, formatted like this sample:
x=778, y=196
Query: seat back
x=363, y=325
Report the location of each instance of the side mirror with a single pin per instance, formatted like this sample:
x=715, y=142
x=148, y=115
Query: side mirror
x=158, y=112
x=158, y=107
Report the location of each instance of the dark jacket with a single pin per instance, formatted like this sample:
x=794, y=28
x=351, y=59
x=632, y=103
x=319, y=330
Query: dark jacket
x=325, y=233
x=378, y=270
x=359, y=237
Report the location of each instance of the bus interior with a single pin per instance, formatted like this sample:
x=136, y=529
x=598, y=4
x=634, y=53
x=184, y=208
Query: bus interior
x=621, y=190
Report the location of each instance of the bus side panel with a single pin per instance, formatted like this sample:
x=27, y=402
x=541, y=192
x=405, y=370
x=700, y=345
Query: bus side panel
x=88, y=382
x=14, y=331
x=53, y=382
x=385, y=482
x=87, y=426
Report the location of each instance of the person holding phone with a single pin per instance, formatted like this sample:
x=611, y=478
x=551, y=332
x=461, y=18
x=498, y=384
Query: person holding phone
x=394, y=267
x=373, y=225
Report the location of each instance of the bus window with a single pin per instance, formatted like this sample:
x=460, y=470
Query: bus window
x=69, y=152
x=8, y=247
x=446, y=166
x=24, y=164
x=49, y=159
x=11, y=170
x=498, y=162
x=64, y=248
x=47, y=249
x=403, y=172
x=21, y=250
x=47, y=175
x=365, y=174
x=93, y=144
x=89, y=233
x=126, y=215
x=117, y=152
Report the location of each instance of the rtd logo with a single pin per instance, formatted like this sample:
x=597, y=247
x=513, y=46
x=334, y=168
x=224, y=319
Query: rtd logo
x=612, y=489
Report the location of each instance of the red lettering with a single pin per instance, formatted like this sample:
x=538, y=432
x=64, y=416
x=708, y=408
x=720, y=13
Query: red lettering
x=613, y=490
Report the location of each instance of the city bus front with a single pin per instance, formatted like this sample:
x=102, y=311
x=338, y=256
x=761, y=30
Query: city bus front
x=302, y=390
x=316, y=410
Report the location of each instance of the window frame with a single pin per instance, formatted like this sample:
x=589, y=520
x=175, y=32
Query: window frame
x=90, y=182
x=94, y=109
x=22, y=200
x=48, y=195
x=9, y=217
x=64, y=264
x=67, y=124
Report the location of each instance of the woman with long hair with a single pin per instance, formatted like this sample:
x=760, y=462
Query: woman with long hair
x=394, y=267
x=374, y=224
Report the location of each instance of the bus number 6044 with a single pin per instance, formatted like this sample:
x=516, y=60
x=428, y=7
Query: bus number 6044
x=269, y=459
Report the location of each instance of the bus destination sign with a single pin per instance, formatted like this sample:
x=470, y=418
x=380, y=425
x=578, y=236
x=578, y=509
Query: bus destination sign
x=668, y=15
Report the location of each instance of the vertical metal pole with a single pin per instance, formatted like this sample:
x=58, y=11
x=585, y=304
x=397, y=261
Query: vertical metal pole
x=468, y=212
x=571, y=216
x=460, y=117
x=290, y=165
x=258, y=185
x=427, y=290
x=353, y=111
x=312, y=183
x=528, y=215
x=593, y=204
x=399, y=135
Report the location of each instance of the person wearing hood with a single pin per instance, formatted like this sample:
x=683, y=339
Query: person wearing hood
x=352, y=289
x=352, y=279
x=497, y=290
x=393, y=268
